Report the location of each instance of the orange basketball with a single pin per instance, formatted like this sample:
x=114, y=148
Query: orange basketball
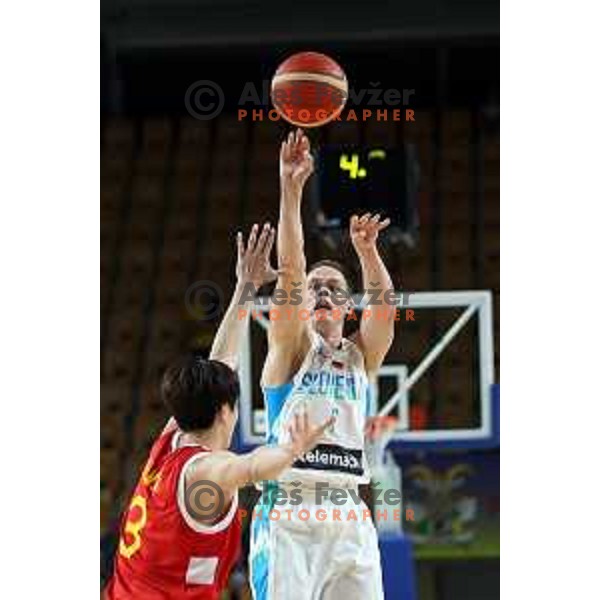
x=309, y=89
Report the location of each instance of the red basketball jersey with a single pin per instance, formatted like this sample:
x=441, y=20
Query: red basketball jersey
x=163, y=553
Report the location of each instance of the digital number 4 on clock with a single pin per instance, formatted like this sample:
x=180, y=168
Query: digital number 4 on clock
x=351, y=163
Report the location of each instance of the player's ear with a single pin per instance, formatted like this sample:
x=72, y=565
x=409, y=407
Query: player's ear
x=223, y=414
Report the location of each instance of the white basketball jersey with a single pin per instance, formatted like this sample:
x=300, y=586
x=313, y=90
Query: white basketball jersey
x=329, y=383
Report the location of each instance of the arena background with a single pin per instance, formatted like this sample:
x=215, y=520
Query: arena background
x=175, y=189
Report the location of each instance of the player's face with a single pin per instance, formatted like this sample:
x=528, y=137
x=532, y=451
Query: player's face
x=329, y=296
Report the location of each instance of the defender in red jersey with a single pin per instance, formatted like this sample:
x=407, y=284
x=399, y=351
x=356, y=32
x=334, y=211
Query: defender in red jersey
x=180, y=535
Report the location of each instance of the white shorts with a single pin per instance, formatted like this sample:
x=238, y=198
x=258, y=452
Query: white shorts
x=314, y=552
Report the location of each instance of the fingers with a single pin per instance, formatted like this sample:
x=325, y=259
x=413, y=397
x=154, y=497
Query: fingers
x=270, y=242
x=252, y=238
x=289, y=145
x=296, y=140
x=324, y=427
x=370, y=222
x=383, y=225
x=293, y=428
x=295, y=144
x=298, y=433
x=376, y=225
x=263, y=239
x=357, y=223
x=252, y=247
x=300, y=423
x=285, y=153
x=302, y=435
x=239, y=238
x=305, y=168
x=304, y=144
x=255, y=259
x=295, y=157
x=300, y=426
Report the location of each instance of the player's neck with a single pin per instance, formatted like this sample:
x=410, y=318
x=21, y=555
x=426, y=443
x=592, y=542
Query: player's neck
x=212, y=438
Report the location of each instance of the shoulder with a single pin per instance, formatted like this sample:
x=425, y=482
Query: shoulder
x=203, y=461
x=204, y=506
x=163, y=445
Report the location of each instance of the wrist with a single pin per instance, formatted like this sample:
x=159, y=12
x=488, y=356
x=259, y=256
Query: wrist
x=245, y=292
x=290, y=189
x=368, y=253
x=292, y=451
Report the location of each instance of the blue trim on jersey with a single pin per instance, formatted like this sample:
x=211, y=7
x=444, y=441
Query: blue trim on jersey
x=259, y=569
x=370, y=409
x=261, y=537
x=275, y=397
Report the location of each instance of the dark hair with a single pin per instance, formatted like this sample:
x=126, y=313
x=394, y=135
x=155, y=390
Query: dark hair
x=334, y=264
x=194, y=390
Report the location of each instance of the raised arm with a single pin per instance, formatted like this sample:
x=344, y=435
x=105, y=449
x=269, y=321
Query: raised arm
x=288, y=334
x=253, y=269
x=376, y=332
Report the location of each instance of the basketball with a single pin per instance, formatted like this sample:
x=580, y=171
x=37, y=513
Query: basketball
x=309, y=89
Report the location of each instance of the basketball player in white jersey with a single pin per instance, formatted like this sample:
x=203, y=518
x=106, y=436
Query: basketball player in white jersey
x=311, y=366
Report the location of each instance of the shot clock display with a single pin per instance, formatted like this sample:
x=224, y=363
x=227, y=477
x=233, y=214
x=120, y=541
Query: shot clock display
x=374, y=179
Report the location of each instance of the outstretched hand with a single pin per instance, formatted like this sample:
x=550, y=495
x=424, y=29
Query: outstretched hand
x=253, y=261
x=303, y=435
x=364, y=231
x=295, y=161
